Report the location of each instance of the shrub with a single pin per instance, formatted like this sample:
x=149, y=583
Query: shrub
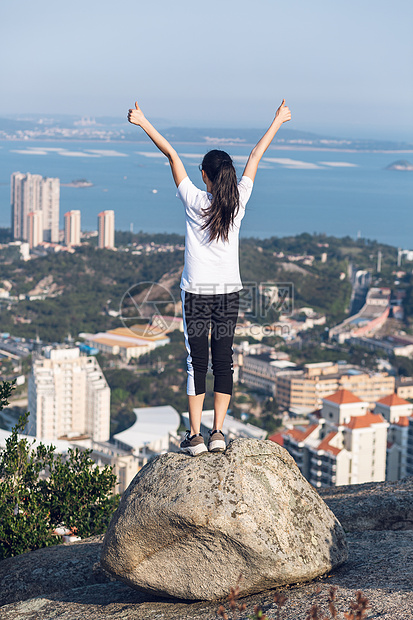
x=41, y=490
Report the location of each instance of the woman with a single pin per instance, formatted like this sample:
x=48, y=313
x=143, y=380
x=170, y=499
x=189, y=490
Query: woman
x=210, y=282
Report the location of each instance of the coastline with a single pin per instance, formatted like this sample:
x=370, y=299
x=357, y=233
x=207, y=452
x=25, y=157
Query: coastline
x=306, y=188
x=207, y=145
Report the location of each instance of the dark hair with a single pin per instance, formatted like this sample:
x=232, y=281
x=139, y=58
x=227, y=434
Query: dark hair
x=224, y=207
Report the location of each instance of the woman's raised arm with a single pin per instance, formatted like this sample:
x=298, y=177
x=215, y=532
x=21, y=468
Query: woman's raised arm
x=137, y=117
x=282, y=115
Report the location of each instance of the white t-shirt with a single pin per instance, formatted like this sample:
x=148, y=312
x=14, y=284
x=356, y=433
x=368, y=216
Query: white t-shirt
x=211, y=267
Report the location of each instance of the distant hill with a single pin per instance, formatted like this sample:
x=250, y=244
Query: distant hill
x=49, y=127
x=243, y=136
x=291, y=138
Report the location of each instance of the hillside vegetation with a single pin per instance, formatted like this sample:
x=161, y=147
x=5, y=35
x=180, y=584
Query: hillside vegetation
x=85, y=285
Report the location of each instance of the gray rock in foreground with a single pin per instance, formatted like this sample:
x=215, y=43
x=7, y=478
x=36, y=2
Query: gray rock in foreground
x=187, y=527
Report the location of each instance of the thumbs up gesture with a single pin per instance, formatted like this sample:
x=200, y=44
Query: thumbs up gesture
x=283, y=113
x=135, y=115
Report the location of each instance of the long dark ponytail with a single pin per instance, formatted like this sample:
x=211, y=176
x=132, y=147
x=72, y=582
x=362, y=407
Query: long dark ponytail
x=220, y=214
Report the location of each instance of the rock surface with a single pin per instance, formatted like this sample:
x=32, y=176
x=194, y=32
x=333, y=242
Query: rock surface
x=372, y=506
x=66, y=582
x=187, y=527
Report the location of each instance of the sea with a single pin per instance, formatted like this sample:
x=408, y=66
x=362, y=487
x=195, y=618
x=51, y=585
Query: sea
x=338, y=192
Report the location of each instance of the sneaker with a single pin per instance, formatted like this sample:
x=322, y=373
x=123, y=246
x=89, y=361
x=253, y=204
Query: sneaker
x=193, y=445
x=216, y=442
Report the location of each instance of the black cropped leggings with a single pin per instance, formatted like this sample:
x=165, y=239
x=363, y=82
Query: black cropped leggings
x=202, y=313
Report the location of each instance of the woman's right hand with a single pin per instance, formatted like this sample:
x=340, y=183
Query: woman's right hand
x=135, y=115
x=283, y=113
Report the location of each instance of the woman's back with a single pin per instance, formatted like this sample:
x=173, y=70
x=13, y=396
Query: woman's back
x=211, y=267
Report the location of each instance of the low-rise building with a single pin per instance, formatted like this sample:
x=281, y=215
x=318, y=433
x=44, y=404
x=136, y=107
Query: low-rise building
x=368, y=320
x=259, y=371
x=258, y=332
x=301, y=391
x=127, y=342
x=404, y=387
x=153, y=432
x=392, y=345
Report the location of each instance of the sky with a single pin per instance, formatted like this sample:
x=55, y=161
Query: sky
x=344, y=68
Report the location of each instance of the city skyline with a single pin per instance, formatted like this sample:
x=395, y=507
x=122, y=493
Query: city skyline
x=343, y=69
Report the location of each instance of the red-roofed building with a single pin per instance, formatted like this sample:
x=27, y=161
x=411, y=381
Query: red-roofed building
x=339, y=407
x=343, y=397
x=393, y=399
x=392, y=407
x=277, y=438
x=295, y=442
x=403, y=421
x=326, y=446
x=345, y=444
x=364, y=421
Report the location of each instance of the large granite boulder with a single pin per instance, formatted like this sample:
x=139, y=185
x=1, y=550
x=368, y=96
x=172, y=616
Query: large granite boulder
x=189, y=526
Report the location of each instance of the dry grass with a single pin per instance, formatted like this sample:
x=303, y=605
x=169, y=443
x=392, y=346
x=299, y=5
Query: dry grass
x=358, y=608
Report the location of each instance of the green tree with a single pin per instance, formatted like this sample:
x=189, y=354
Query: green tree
x=40, y=490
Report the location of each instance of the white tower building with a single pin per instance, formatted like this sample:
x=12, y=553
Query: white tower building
x=68, y=396
x=35, y=228
x=106, y=229
x=32, y=192
x=50, y=208
x=72, y=228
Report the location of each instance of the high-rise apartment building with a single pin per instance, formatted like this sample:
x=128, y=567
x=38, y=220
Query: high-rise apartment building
x=26, y=197
x=106, y=230
x=68, y=396
x=72, y=228
x=50, y=208
x=35, y=228
x=398, y=412
x=32, y=192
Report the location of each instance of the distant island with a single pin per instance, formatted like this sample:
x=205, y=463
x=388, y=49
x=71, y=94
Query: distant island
x=78, y=183
x=401, y=164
